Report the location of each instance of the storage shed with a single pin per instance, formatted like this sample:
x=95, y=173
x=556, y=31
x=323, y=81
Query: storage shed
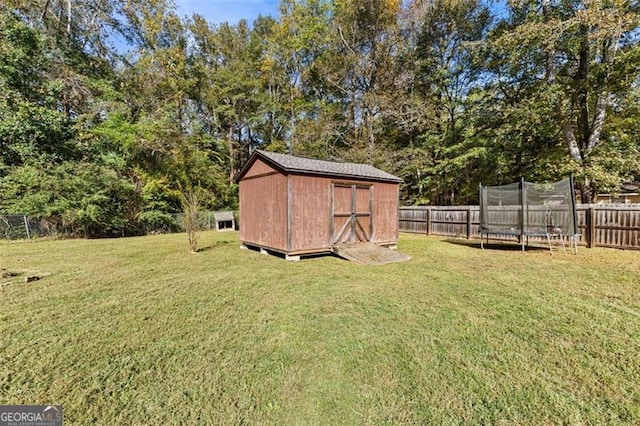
x=224, y=221
x=297, y=206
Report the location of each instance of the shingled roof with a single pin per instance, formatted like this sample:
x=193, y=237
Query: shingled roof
x=302, y=165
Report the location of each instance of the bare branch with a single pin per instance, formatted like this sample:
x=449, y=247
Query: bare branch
x=69, y=17
x=45, y=9
x=353, y=52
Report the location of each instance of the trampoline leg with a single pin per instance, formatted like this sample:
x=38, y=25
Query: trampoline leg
x=563, y=247
x=549, y=243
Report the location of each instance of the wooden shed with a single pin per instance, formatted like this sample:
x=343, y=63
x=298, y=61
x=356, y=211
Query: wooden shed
x=297, y=206
x=224, y=221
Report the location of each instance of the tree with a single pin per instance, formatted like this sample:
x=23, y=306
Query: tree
x=582, y=57
x=447, y=78
x=226, y=59
x=197, y=180
x=358, y=65
x=32, y=128
x=172, y=142
x=291, y=70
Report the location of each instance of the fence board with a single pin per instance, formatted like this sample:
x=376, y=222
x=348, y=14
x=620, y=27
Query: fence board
x=599, y=225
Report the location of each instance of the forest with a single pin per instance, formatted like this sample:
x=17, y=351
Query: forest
x=116, y=113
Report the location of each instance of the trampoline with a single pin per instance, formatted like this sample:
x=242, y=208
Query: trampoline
x=525, y=209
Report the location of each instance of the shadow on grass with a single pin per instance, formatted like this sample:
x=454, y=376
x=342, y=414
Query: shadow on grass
x=500, y=245
x=213, y=246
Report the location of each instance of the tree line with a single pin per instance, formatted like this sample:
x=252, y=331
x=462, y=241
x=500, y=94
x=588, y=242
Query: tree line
x=116, y=113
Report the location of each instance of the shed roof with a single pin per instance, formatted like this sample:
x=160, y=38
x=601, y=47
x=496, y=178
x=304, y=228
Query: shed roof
x=302, y=165
x=223, y=216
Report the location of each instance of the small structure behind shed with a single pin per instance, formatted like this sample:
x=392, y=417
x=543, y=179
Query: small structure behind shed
x=298, y=206
x=225, y=221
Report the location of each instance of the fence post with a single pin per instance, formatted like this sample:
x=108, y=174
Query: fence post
x=428, y=221
x=591, y=223
x=26, y=226
x=468, y=223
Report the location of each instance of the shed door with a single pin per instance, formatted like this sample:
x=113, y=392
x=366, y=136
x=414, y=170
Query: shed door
x=351, y=213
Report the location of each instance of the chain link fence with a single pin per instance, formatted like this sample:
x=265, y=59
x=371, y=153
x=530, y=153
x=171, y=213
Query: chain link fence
x=22, y=227
x=19, y=226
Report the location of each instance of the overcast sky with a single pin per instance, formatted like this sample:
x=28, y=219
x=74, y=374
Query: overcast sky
x=232, y=11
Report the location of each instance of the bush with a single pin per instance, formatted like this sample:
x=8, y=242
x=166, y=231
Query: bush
x=159, y=199
x=74, y=198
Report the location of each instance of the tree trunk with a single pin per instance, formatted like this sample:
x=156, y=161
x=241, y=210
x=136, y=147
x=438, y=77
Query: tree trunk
x=69, y=18
x=232, y=154
x=371, y=136
x=586, y=192
x=582, y=133
x=191, y=205
x=292, y=118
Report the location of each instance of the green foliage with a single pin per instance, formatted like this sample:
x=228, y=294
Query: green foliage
x=159, y=199
x=577, y=60
x=21, y=56
x=441, y=93
x=80, y=199
x=31, y=125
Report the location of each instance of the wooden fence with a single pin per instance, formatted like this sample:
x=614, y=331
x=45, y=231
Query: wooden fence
x=600, y=225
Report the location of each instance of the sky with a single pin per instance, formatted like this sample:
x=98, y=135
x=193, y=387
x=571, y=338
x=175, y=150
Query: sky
x=232, y=11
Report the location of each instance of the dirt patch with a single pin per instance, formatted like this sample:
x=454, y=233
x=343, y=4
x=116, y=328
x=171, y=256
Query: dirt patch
x=8, y=277
x=369, y=254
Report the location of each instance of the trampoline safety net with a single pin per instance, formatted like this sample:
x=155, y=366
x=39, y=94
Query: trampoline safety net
x=525, y=208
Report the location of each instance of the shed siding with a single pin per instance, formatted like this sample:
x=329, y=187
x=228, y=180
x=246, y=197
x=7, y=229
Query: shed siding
x=301, y=213
x=385, y=212
x=310, y=210
x=259, y=168
x=263, y=211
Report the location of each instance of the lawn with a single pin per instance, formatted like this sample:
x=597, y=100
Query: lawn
x=138, y=331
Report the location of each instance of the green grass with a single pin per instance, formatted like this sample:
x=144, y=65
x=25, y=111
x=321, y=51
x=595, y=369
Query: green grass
x=138, y=331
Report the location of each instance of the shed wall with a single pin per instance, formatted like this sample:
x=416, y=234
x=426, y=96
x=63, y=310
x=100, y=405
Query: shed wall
x=385, y=212
x=311, y=214
x=263, y=211
x=259, y=167
x=271, y=202
x=310, y=210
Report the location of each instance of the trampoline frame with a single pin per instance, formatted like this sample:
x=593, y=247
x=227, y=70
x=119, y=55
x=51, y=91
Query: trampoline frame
x=522, y=235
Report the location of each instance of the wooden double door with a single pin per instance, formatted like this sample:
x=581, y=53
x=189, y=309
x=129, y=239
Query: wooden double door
x=351, y=213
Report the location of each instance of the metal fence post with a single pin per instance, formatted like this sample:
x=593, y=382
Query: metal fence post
x=26, y=226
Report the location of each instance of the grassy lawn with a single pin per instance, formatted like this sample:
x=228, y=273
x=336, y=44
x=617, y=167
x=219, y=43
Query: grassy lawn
x=138, y=331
